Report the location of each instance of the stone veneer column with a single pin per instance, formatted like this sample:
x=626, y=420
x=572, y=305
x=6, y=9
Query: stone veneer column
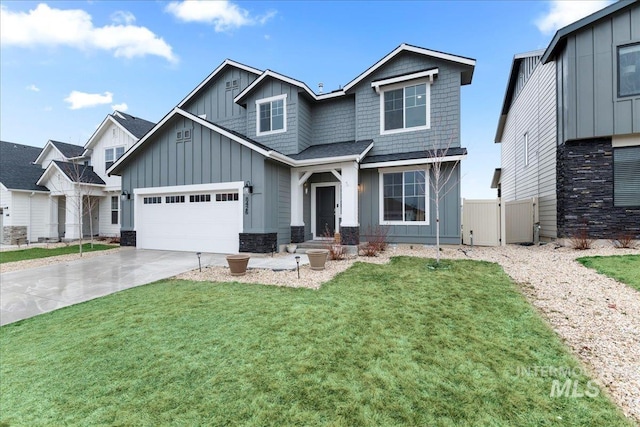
x=297, y=233
x=127, y=238
x=350, y=236
x=259, y=243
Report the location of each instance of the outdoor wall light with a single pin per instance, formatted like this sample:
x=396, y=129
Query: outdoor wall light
x=125, y=195
x=248, y=188
x=306, y=188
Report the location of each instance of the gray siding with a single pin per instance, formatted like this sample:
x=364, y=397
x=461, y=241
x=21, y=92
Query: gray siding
x=334, y=121
x=208, y=158
x=445, y=107
x=286, y=142
x=277, y=207
x=588, y=105
x=532, y=112
x=216, y=101
x=305, y=131
x=422, y=234
x=525, y=70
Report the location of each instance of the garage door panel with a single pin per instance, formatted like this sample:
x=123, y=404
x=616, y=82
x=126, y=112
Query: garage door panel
x=212, y=226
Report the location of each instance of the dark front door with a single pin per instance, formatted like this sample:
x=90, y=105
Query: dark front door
x=325, y=211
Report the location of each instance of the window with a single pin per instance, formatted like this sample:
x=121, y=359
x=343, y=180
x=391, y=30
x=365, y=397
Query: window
x=526, y=149
x=152, y=200
x=115, y=200
x=200, y=198
x=629, y=70
x=271, y=115
x=404, y=197
x=183, y=135
x=626, y=179
x=111, y=155
x=405, y=108
x=174, y=199
x=226, y=197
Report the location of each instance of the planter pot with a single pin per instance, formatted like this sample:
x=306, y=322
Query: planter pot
x=292, y=248
x=317, y=258
x=238, y=264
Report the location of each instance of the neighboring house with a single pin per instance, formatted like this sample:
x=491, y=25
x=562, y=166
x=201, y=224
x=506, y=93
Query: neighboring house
x=76, y=195
x=23, y=204
x=252, y=159
x=570, y=127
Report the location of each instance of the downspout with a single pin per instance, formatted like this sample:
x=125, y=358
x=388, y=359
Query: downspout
x=29, y=232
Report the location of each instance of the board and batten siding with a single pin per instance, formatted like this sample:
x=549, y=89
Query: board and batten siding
x=277, y=206
x=588, y=102
x=532, y=113
x=216, y=101
x=444, y=102
x=208, y=158
x=450, y=215
x=113, y=136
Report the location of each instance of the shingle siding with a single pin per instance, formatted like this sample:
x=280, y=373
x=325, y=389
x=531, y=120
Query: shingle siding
x=334, y=121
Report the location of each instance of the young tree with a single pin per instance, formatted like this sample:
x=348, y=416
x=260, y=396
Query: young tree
x=443, y=169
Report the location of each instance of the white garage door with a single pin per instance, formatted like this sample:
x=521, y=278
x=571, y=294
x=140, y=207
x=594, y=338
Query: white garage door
x=197, y=221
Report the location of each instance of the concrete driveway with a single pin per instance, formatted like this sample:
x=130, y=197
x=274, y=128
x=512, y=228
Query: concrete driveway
x=30, y=292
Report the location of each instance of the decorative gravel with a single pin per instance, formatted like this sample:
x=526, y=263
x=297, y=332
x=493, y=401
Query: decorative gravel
x=597, y=317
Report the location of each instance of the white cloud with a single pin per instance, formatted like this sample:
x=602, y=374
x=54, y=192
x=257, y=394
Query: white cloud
x=123, y=17
x=84, y=100
x=564, y=12
x=73, y=27
x=120, y=107
x=224, y=15
x=33, y=88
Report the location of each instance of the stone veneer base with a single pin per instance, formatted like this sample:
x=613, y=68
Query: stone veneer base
x=259, y=243
x=127, y=238
x=297, y=233
x=350, y=236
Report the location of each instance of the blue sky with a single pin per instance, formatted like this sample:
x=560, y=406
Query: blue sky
x=65, y=65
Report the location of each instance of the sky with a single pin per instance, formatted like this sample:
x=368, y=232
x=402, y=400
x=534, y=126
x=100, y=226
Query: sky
x=65, y=65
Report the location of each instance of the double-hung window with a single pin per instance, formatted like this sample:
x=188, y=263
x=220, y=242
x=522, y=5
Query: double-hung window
x=404, y=196
x=111, y=155
x=115, y=203
x=271, y=114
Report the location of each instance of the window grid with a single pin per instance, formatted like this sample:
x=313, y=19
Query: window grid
x=174, y=199
x=227, y=197
x=406, y=107
x=404, y=196
x=199, y=198
x=115, y=203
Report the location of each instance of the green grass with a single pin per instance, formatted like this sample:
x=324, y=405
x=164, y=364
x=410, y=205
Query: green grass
x=623, y=268
x=34, y=253
x=380, y=345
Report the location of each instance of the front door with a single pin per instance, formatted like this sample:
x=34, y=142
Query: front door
x=325, y=211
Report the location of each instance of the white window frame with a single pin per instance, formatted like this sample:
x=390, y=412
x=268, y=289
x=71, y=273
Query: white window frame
x=115, y=159
x=117, y=200
x=526, y=148
x=271, y=99
x=403, y=85
x=427, y=197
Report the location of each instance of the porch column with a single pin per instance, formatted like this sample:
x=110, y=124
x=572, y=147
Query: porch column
x=297, y=219
x=349, y=225
x=73, y=220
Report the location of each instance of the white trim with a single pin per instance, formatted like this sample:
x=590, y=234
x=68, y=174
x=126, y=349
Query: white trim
x=403, y=86
x=114, y=147
x=337, y=210
x=47, y=171
x=526, y=148
x=427, y=197
x=618, y=141
x=15, y=190
x=98, y=132
x=214, y=73
x=289, y=80
x=420, y=75
x=49, y=143
x=409, y=48
x=270, y=100
x=139, y=193
x=411, y=162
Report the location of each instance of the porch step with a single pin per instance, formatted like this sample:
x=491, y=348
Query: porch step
x=312, y=244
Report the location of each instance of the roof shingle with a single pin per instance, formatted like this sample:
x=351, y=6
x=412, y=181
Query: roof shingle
x=135, y=125
x=79, y=173
x=336, y=149
x=68, y=150
x=17, y=171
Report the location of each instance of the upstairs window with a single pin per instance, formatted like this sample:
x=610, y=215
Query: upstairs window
x=111, y=155
x=271, y=115
x=404, y=108
x=629, y=70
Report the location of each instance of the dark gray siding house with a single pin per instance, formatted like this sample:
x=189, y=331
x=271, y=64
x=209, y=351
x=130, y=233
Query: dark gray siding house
x=252, y=159
x=572, y=112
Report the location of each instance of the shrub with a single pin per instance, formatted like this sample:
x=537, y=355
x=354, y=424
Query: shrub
x=368, y=249
x=581, y=240
x=624, y=240
x=376, y=239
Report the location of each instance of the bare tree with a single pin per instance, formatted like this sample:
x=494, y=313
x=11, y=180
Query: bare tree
x=443, y=170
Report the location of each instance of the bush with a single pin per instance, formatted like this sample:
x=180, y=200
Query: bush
x=581, y=240
x=624, y=240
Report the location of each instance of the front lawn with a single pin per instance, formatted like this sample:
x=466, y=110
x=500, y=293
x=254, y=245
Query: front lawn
x=34, y=253
x=623, y=268
x=379, y=345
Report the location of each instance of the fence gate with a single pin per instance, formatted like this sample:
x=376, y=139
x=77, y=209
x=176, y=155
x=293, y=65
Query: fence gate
x=520, y=215
x=482, y=219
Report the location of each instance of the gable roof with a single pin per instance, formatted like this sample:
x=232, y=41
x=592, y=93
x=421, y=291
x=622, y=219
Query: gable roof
x=134, y=126
x=336, y=149
x=17, y=171
x=214, y=73
x=560, y=37
x=68, y=150
x=511, y=87
x=76, y=173
x=467, y=75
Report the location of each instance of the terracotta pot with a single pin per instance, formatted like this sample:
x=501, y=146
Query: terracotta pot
x=317, y=258
x=238, y=264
